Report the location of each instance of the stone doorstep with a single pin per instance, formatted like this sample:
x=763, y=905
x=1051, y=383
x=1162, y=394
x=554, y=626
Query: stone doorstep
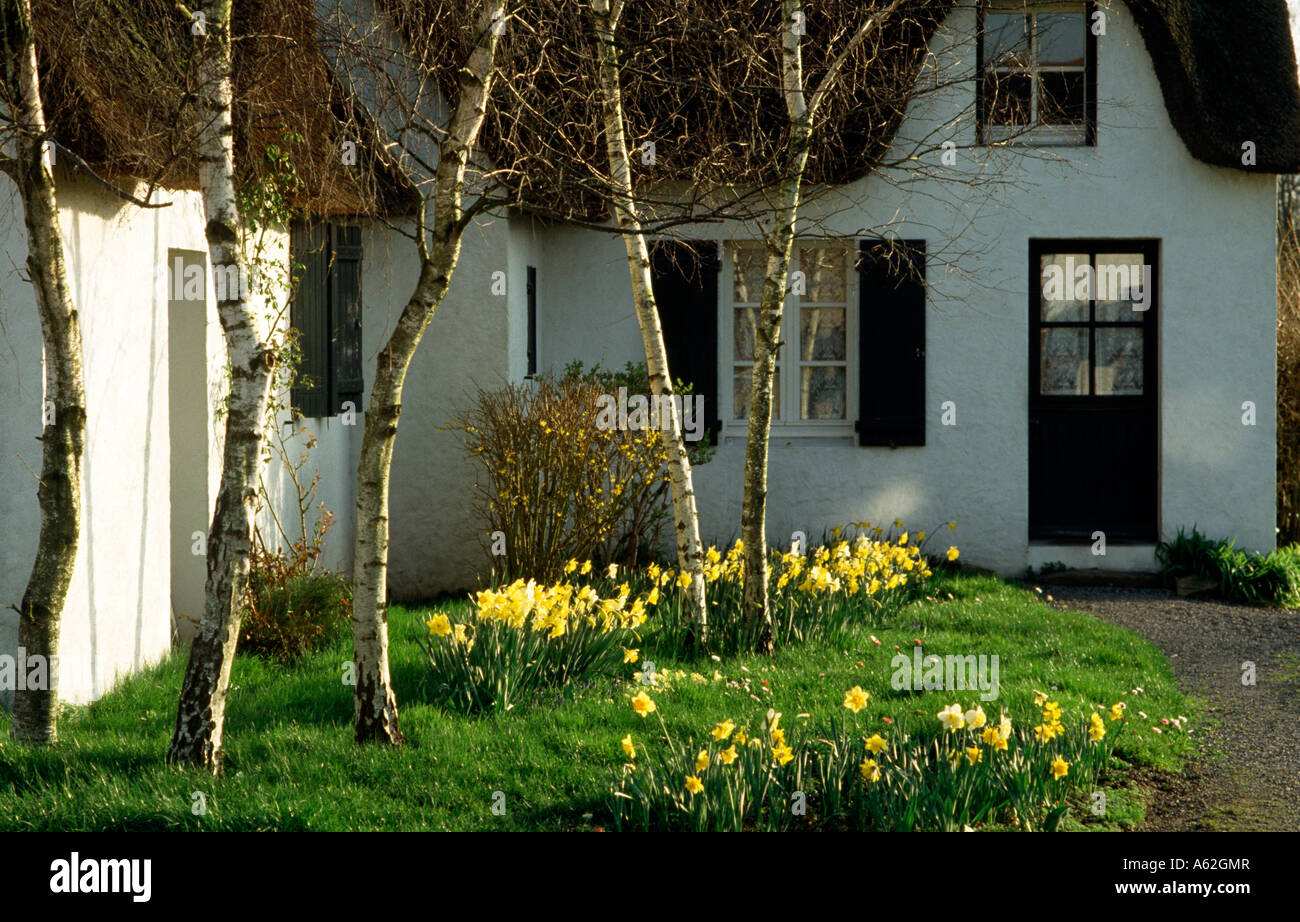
x=1195, y=585
x=1123, y=579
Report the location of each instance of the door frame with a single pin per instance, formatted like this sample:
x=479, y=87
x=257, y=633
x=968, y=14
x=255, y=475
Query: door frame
x=1150, y=248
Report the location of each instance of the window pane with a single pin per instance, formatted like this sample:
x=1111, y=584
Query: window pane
x=748, y=263
x=1064, y=362
x=823, y=269
x=1006, y=40
x=821, y=334
x=1058, y=273
x=1120, y=284
x=821, y=393
x=746, y=333
x=1119, y=361
x=1007, y=99
x=742, y=379
x=1062, y=39
x=1060, y=98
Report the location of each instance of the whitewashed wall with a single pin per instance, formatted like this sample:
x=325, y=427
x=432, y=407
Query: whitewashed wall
x=1217, y=324
x=118, y=613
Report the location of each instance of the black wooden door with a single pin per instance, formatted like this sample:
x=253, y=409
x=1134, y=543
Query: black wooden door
x=1093, y=400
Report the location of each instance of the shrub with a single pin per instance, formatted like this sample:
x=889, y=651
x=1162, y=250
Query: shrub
x=1269, y=579
x=525, y=638
x=554, y=483
x=833, y=776
x=290, y=614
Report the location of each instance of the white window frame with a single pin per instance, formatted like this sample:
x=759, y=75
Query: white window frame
x=789, y=425
x=1035, y=132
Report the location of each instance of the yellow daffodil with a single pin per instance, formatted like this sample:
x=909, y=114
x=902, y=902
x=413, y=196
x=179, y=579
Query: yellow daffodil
x=855, y=699
x=975, y=717
x=628, y=747
x=870, y=770
x=952, y=717
x=693, y=784
x=1117, y=711
x=723, y=730
x=630, y=656
x=702, y=760
x=782, y=754
x=643, y=704
x=876, y=744
x=952, y=553
x=728, y=755
x=974, y=754
x=439, y=626
x=1060, y=768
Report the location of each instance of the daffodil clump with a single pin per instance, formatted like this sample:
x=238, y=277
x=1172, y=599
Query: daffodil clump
x=863, y=573
x=525, y=637
x=966, y=770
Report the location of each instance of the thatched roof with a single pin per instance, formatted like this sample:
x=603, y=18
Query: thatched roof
x=118, y=93
x=1228, y=72
x=114, y=74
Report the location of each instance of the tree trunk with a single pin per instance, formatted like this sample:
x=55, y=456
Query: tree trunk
x=375, y=712
x=753, y=530
x=686, y=519
x=201, y=712
x=35, y=718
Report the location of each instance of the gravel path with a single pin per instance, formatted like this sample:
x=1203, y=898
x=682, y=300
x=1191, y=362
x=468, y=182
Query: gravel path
x=1247, y=772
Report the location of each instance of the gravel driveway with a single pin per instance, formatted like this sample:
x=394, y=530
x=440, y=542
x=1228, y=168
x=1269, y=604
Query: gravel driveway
x=1247, y=773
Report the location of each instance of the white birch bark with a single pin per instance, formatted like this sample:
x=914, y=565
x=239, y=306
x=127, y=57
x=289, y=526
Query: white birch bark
x=802, y=114
x=200, y=715
x=35, y=718
x=375, y=712
x=686, y=520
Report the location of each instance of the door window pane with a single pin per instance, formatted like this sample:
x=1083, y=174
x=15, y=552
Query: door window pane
x=1119, y=361
x=1007, y=99
x=1064, y=361
x=1121, y=279
x=1058, y=273
x=1006, y=42
x=746, y=333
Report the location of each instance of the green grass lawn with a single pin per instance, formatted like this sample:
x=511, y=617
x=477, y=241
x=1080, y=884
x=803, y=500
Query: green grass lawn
x=291, y=763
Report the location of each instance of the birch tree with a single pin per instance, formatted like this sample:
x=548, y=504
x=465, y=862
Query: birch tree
x=623, y=206
x=35, y=718
x=441, y=221
x=801, y=111
x=201, y=711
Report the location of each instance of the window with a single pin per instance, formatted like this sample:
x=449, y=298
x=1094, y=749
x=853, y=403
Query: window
x=813, y=391
x=1038, y=73
x=1093, y=325
x=531, y=357
x=326, y=312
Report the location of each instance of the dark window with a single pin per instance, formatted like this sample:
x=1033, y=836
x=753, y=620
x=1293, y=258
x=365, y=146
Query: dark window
x=532, y=320
x=891, y=344
x=326, y=313
x=1038, y=73
x=685, y=280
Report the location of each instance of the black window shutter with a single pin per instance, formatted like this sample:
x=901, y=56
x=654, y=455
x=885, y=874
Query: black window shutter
x=685, y=279
x=309, y=315
x=891, y=344
x=532, y=321
x=345, y=318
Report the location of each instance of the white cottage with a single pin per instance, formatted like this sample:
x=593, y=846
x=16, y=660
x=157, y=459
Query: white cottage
x=1081, y=340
